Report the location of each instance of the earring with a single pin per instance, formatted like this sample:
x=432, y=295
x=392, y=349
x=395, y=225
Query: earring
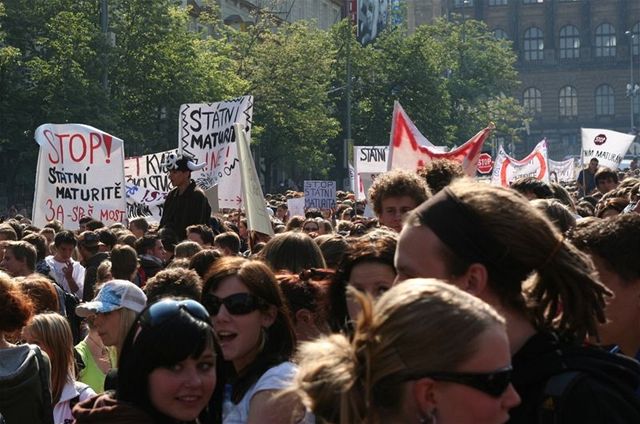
x=429, y=418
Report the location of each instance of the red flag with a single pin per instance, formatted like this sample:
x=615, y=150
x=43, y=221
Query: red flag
x=406, y=152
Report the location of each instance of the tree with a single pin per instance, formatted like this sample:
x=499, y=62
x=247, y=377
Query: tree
x=289, y=72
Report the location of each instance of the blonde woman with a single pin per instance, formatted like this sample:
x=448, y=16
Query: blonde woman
x=452, y=368
x=52, y=333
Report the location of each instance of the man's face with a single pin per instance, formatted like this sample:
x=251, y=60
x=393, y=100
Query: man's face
x=593, y=165
x=179, y=178
x=394, y=209
x=281, y=213
x=64, y=252
x=195, y=237
x=158, y=250
x=605, y=185
x=12, y=265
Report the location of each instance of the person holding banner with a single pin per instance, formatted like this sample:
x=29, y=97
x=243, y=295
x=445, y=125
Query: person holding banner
x=186, y=204
x=586, y=178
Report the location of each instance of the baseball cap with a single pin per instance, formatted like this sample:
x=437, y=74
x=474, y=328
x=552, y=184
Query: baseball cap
x=113, y=295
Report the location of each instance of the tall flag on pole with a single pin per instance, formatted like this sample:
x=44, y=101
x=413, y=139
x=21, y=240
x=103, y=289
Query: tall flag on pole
x=255, y=208
x=409, y=149
x=609, y=147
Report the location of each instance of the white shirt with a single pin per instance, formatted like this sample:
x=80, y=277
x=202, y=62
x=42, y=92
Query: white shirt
x=276, y=378
x=58, y=274
x=62, y=409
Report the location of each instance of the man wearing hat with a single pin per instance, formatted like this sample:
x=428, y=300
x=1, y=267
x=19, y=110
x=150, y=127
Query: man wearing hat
x=186, y=204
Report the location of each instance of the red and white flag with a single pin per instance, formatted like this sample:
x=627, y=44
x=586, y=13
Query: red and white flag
x=507, y=169
x=409, y=149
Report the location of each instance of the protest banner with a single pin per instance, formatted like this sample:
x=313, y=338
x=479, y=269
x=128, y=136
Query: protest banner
x=408, y=149
x=609, y=147
x=507, y=169
x=206, y=133
x=80, y=173
x=562, y=171
x=147, y=185
x=255, y=207
x=319, y=194
x=296, y=206
x=369, y=162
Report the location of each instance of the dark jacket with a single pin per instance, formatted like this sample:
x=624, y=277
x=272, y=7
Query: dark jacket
x=182, y=210
x=91, y=274
x=104, y=408
x=602, y=390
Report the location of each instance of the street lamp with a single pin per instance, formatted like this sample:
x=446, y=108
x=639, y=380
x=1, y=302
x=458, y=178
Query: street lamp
x=633, y=89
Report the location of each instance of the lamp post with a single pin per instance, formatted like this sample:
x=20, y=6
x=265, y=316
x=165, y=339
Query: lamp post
x=633, y=89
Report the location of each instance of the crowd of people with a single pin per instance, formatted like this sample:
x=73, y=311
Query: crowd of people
x=459, y=302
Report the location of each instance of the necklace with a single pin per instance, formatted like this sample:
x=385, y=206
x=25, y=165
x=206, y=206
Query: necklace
x=103, y=349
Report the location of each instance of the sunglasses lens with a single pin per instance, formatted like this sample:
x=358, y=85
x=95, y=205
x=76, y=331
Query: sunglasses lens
x=497, y=383
x=195, y=309
x=241, y=303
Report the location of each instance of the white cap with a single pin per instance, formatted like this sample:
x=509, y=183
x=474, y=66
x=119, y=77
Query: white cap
x=113, y=295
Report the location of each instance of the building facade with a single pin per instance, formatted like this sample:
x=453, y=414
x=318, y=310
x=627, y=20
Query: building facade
x=240, y=13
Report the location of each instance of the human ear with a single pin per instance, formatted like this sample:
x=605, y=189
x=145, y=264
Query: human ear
x=475, y=280
x=304, y=316
x=423, y=392
x=269, y=316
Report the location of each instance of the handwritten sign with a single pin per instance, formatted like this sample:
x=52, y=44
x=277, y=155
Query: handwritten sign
x=80, y=173
x=207, y=134
x=319, y=194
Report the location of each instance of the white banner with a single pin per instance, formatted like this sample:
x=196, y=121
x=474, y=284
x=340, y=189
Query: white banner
x=319, y=194
x=369, y=162
x=507, y=169
x=147, y=185
x=80, y=173
x=562, y=172
x=609, y=147
x=296, y=206
x=207, y=133
x=255, y=207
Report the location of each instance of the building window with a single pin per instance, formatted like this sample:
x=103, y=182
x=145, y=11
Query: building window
x=532, y=101
x=463, y=3
x=532, y=1
x=605, y=40
x=499, y=34
x=568, y=101
x=636, y=39
x=604, y=100
x=533, y=44
x=569, y=42
x=636, y=107
x=497, y=2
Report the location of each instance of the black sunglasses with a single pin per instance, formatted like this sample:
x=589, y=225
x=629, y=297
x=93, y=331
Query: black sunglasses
x=165, y=309
x=236, y=304
x=493, y=383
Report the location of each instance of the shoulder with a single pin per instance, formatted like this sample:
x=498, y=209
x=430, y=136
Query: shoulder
x=277, y=377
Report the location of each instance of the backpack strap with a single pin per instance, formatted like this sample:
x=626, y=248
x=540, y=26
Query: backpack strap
x=46, y=389
x=554, y=391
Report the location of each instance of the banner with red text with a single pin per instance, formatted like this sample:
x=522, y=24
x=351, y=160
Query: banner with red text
x=80, y=173
x=609, y=147
x=207, y=134
x=507, y=169
x=408, y=150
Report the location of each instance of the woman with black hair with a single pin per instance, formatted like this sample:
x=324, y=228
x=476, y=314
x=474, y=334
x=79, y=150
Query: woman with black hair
x=256, y=337
x=167, y=370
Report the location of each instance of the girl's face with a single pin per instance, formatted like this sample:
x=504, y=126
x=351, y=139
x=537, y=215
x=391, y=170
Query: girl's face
x=480, y=408
x=108, y=326
x=372, y=278
x=240, y=335
x=183, y=390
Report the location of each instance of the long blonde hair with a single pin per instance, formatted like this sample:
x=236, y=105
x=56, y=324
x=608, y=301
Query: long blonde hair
x=421, y=325
x=53, y=334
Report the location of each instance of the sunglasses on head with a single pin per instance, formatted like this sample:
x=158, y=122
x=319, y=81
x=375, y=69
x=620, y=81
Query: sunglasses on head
x=236, y=304
x=165, y=309
x=494, y=383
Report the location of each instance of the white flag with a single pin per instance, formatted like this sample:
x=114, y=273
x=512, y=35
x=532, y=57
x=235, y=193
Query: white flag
x=609, y=147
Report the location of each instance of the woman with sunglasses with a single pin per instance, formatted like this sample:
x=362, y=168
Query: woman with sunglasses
x=453, y=368
x=256, y=338
x=167, y=370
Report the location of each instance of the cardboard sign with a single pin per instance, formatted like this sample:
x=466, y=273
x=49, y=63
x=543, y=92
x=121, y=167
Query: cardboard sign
x=80, y=173
x=319, y=194
x=609, y=147
x=207, y=134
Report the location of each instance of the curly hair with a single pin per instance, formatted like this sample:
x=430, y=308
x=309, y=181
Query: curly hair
x=397, y=183
x=440, y=173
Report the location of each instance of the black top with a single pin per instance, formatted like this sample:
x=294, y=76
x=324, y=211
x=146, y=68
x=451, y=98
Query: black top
x=602, y=390
x=182, y=210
